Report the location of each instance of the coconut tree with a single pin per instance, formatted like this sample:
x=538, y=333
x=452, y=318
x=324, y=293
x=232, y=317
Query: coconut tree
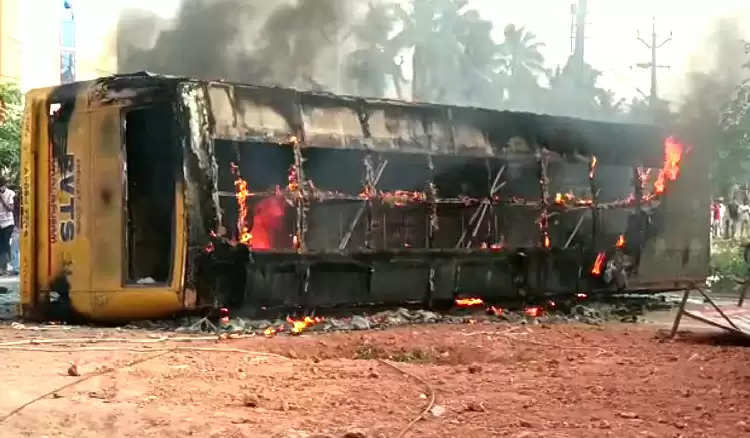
x=428, y=30
x=523, y=62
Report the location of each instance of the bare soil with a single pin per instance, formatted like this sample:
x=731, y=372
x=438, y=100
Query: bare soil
x=488, y=380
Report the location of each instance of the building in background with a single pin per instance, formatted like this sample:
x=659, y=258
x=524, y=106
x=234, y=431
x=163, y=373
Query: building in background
x=10, y=41
x=48, y=42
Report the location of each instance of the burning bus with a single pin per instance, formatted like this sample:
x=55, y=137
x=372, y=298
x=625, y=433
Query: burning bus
x=145, y=195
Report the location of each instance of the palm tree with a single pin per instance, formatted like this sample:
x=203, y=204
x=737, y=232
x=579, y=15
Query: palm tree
x=428, y=30
x=480, y=64
x=523, y=61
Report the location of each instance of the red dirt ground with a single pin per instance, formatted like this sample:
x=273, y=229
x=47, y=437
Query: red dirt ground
x=490, y=380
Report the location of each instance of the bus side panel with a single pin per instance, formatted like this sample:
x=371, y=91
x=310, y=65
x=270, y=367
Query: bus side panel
x=71, y=245
x=62, y=247
x=107, y=214
x=32, y=138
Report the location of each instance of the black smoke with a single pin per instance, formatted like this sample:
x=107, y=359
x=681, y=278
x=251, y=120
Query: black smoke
x=287, y=43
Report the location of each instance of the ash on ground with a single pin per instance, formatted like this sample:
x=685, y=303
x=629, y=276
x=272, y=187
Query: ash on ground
x=622, y=309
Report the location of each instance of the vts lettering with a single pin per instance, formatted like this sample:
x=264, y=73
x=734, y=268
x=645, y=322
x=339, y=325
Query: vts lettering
x=67, y=212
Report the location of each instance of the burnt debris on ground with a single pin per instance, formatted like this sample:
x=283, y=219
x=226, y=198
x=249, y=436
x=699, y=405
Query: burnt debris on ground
x=621, y=309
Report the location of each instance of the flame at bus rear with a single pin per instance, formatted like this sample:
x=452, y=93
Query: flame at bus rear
x=673, y=151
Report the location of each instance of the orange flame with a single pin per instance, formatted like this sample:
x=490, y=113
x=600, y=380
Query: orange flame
x=267, y=217
x=270, y=331
x=292, y=178
x=592, y=167
x=547, y=242
x=469, y=302
x=242, y=193
x=299, y=325
x=533, y=312
x=672, y=157
x=620, y=241
x=562, y=198
x=497, y=311
x=598, y=264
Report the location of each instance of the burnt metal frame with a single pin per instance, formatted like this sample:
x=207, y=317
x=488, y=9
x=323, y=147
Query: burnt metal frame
x=682, y=311
x=304, y=195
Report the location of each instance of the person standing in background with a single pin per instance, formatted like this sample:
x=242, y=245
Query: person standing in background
x=7, y=223
x=722, y=219
x=715, y=219
x=744, y=213
x=15, y=250
x=733, y=213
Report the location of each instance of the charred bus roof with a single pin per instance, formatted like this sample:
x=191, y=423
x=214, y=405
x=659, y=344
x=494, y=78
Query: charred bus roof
x=250, y=113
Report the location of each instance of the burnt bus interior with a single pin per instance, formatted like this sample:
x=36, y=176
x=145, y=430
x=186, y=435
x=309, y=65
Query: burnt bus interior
x=336, y=226
x=150, y=154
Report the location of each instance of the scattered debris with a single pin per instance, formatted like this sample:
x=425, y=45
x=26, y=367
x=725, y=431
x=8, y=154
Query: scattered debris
x=475, y=406
x=437, y=411
x=250, y=400
x=360, y=323
x=628, y=415
x=558, y=311
x=73, y=370
x=525, y=423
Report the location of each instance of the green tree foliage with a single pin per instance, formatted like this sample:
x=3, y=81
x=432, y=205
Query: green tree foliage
x=522, y=66
x=454, y=59
x=428, y=29
x=11, y=111
x=732, y=150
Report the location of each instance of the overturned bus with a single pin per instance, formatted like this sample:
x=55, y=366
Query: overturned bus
x=144, y=196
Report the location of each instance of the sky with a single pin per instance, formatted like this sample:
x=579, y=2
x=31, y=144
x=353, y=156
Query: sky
x=611, y=45
x=612, y=26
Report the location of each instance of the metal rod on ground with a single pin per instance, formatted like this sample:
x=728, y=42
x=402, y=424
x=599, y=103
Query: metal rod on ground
x=345, y=240
x=714, y=324
x=715, y=306
x=680, y=311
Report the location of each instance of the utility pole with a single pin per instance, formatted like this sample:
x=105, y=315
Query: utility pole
x=578, y=34
x=653, y=46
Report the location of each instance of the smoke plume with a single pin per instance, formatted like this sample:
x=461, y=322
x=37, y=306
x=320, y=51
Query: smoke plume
x=287, y=43
x=717, y=72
